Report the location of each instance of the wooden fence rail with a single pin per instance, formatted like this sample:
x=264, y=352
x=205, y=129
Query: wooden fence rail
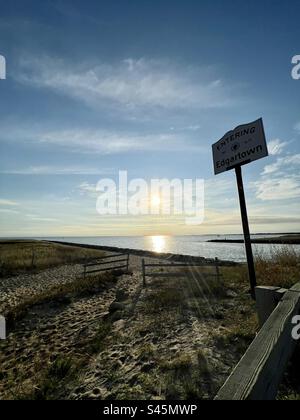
x=179, y=273
x=259, y=373
x=107, y=263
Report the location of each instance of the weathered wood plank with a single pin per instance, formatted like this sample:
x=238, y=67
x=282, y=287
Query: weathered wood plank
x=266, y=302
x=105, y=262
x=179, y=274
x=175, y=264
x=258, y=374
x=106, y=269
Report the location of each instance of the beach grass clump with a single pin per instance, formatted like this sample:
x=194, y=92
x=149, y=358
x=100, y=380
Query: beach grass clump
x=27, y=256
x=239, y=334
x=281, y=268
x=48, y=380
x=164, y=299
x=204, y=284
x=185, y=376
x=98, y=341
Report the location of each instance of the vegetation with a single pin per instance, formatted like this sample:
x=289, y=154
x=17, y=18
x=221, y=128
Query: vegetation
x=180, y=370
x=281, y=269
x=61, y=294
x=49, y=377
x=27, y=256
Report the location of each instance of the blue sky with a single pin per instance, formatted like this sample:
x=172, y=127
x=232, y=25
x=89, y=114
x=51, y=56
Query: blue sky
x=95, y=87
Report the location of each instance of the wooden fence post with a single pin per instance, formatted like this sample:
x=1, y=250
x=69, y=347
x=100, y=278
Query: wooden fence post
x=217, y=268
x=143, y=272
x=267, y=298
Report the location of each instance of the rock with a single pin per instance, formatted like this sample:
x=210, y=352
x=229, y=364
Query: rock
x=97, y=391
x=231, y=294
x=147, y=367
x=119, y=325
x=116, y=306
x=219, y=316
x=121, y=295
x=116, y=316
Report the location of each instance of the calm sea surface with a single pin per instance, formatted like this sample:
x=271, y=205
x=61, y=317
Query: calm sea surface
x=187, y=245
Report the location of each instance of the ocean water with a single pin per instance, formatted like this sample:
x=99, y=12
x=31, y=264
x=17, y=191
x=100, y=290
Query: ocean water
x=187, y=245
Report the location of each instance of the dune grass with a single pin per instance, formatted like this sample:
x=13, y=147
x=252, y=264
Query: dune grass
x=180, y=378
x=61, y=293
x=27, y=256
x=280, y=269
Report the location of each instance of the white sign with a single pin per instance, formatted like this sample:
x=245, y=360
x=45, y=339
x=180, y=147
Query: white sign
x=242, y=145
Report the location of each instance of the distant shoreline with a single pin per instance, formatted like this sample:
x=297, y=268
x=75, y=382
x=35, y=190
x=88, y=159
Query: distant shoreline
x=149, y=254
x=281, y=240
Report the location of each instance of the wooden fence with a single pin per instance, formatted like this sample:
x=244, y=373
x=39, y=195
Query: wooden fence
x=107, y=263
x=260, y=371
x=179, y=273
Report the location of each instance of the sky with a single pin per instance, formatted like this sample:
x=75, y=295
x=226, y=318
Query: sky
x=95, y=87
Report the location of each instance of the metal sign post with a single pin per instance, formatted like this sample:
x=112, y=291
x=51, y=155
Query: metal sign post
x=247, y=238
x=245, y=144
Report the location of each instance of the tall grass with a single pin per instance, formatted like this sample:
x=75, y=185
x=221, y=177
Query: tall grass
x=16, y=257
x=281, y=268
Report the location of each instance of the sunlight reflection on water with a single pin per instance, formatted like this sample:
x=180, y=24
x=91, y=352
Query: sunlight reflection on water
x=158, y=243
x=188, y=245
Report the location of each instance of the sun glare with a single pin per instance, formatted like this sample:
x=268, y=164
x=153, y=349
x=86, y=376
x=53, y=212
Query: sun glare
x=158, y=243
x=155, y=200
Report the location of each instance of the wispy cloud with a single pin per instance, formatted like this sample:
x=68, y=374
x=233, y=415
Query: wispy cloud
x=278, y=188
x=297, y=127
x=4, y=202
x=9, y=211
x=98, y=141
x=286, y=163
x=56, y=170
x=87, y=189
x=130, y=83
x=34, y=218
x=276, y=146
x=280, y=180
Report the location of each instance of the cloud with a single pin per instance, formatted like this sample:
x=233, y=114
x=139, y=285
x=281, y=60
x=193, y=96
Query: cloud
x=280, y=180
x=41, y=219
x=297, y=127
x=4, y=202
x=55, y=170
x=87, y=189
x=229, y=220
x=9, y=211
x=131, y=83
x=98, y=141
x=278, y=188
x=284, y=163
x=275, y=147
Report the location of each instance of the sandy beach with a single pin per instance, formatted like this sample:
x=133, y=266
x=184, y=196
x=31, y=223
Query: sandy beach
x=151, y=336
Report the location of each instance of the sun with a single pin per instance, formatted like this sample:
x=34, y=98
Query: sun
x=155, y=200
